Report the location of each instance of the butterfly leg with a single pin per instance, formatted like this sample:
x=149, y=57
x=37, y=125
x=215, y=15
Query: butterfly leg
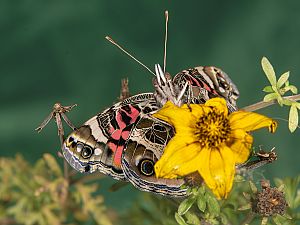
x=124, y=90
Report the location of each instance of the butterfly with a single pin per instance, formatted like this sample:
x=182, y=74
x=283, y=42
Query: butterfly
x=125, y=141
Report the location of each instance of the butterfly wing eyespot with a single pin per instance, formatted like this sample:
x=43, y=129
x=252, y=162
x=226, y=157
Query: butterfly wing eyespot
x=146, y=167
x=86, y=152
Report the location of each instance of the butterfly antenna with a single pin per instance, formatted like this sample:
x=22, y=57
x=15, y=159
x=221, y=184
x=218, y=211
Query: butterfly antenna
x=166, y=39
x=127, y=53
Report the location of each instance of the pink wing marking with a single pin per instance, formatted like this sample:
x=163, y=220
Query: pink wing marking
x=116, y=134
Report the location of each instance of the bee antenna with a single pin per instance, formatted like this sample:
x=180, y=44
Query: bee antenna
x=127, y=53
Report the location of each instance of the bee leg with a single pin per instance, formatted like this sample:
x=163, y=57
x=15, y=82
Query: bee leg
x=58, y=113
x=262, y=158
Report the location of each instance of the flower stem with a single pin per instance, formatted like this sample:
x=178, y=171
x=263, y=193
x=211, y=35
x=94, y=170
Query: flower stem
x=262, y=104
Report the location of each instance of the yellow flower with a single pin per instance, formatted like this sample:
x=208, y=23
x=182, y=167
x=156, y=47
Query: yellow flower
x=208, y=140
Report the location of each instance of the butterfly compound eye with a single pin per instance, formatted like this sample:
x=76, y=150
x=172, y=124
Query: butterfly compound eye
x=146, y=167
x=86, y=152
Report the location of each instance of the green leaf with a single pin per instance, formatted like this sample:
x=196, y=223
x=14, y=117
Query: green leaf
x=281, y=187
x=201, y=202
x=297, y=104
x=276, y=220
x=269, y=71
x=180, y=220
x=213, y=205
x=281, y=220
x=185, y=205
x=245, y=207
x=287, y=83
x=238, y=178
x=192, y=218
x=293, y=89
x=287, y=216
x=290, y=190
x=268, y=89
x=293, y=118
x=253, y=187
x=282, y=79
x=270, y=97
x=224, y=219
x=264, y=221
x=202, y=188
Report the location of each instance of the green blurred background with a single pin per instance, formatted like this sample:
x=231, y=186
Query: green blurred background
x=55, y=51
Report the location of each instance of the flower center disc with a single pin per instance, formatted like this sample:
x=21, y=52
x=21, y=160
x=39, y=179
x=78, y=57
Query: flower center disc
x=212, y=129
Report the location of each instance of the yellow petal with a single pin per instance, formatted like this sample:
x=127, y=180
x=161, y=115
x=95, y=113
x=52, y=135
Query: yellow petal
x=241, y=145
x=174, y=115
x=219, y=104
x=197, y=110
x=176, y=159
x=217, y=169
x=249, y=121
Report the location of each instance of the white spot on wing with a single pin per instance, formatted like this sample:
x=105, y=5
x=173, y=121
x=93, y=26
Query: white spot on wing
x=98, y=151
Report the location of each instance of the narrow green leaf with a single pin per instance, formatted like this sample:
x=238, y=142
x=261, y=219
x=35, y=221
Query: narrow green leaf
x=268, y=89
x=180, y=220
x=213, y=205
x=287, y=83
x=293, y=89
x=287, y=216
x=192, y=218
x=224, y=218
x=293, y=118
x=270, y=97
x=264, y=221
x=238, y=178
x=253, y=187
x=282, y=79
x=185, y=205
x=269, y=71
x=276, y=220
x=201, y=202
x=297, y=104
x=202, y=188
x=281, y=187
x=281, y=220
x=245, y=207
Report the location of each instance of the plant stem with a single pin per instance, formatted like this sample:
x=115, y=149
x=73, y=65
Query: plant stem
x=262, y=104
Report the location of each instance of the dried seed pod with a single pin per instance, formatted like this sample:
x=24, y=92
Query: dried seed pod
x=269, y=201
